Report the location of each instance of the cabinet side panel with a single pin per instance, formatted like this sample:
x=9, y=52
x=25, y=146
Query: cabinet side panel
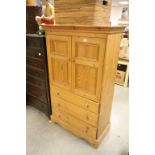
x=109, y=71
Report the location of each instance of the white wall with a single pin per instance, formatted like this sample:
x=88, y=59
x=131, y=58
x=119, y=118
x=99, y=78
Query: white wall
x=51, y=1
x=116, y=12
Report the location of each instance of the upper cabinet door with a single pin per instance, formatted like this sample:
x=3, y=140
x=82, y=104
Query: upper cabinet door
x=87, y=66
x=59, y=64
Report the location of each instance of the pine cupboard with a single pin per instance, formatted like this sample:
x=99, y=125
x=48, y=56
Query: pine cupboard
x=82, y=63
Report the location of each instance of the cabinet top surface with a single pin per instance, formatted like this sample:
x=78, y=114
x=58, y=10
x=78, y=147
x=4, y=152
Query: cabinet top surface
x=103, y=29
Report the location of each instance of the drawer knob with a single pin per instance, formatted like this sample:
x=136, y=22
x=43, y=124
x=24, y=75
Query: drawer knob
x=87, y=118
x=58, y=104
x=87, y=105
x=58, y=93
x=39, y=54
x=87, y=129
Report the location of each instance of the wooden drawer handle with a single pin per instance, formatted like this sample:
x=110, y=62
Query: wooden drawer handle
x=87, y=105
x=59, y=116
x=87, y=118
x=58, y=104
x=58, y=93
x=87, y=129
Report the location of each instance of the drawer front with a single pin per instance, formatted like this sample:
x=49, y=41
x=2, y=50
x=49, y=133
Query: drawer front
x=75, y=124
x=36, y=43
x=36, y=92
x=75, y=111
x=36, y=73
x=75, y=99
x=35, y=81
x=34, y=63
x=34, y=53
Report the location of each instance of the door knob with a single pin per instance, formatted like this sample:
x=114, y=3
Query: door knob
x=39, y=54
x=73, y=60
x=84, y=40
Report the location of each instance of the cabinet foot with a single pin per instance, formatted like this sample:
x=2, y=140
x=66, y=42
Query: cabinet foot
x=50, y=121
x=98, y=141
x=94, y=145
x=53, y=120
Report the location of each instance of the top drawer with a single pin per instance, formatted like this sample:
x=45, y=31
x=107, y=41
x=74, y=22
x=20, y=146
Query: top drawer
x=34, y=42
x=75, y=99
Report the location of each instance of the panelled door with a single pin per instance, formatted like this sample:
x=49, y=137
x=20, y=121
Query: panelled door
x=59, y=54
x=87, y=66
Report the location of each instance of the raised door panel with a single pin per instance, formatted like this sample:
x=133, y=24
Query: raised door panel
x=59, y=54
x=87, y=65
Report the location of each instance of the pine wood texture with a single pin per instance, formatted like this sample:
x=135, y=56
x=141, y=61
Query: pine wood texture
x=30, y=2
x=86, y=12
x=85, y=60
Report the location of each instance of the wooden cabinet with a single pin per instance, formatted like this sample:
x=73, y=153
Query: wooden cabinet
x=37, y=85
x=82, y=63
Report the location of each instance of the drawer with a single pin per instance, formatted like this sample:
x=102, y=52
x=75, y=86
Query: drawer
x=36, y=43
x=75, y=124
x=35, y=72
x=36, y=92
x=34, y=53
x=75, y=99
x=34, y=63
x=75, y=111
x=35, y=81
